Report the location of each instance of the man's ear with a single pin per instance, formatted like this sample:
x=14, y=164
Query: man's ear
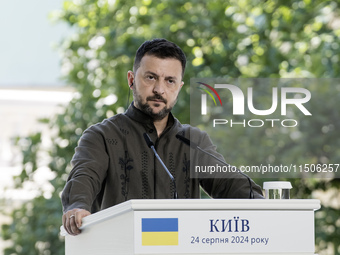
x=130, y=78
x=182, y=83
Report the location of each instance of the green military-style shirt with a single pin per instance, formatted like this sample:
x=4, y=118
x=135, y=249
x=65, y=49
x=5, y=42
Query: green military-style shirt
x=112, y=164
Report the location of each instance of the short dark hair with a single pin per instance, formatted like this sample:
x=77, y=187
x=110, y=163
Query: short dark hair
x=160, y=48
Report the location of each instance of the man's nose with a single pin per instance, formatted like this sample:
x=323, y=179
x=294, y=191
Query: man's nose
x=159, y=87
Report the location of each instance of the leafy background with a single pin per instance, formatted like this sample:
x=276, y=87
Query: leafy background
x=237, y=38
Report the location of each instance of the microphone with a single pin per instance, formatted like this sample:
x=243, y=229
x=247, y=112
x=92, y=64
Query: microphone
x=151, y=145
x=196, y=147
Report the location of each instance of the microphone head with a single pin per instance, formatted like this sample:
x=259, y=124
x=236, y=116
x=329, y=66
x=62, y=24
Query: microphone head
x=183, y=139
x=186, y=141
x=148, y=140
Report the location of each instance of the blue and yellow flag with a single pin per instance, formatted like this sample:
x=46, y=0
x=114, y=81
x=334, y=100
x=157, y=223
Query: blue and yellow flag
x=159, y=231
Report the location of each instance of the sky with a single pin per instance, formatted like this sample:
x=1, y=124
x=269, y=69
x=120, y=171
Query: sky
x=27, y=57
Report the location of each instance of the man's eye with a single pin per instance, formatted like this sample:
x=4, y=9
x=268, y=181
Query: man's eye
x=150, y=77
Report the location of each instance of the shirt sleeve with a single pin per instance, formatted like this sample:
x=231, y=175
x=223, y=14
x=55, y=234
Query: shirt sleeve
x=90, y=163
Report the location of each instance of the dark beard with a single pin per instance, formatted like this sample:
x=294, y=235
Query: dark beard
x=148, y=110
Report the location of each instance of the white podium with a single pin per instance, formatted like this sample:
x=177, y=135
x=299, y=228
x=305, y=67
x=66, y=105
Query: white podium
x=199, y=226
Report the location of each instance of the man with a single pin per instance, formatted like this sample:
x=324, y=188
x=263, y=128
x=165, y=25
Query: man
x=113, y=163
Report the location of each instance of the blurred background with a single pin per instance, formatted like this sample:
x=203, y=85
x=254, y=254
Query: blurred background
x=63, y=68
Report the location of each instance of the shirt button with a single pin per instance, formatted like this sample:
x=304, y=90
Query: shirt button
x=151, y=131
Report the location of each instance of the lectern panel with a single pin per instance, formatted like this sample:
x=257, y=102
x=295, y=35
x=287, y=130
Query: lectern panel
x=229, y=232
x=199, y=226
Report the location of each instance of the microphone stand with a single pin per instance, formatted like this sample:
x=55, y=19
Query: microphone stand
x=196, y=147
x=151, y=145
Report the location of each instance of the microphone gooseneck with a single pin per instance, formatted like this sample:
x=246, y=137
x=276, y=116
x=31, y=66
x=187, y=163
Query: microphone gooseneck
x=151, y=146
x=196, y=147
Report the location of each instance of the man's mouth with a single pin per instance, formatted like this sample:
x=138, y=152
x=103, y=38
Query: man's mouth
x=157, y=100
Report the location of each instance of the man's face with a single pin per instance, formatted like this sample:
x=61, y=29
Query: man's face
x=157, y=83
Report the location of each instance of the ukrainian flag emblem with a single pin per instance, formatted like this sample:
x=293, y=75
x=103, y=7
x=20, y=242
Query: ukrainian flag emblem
x=159, y=231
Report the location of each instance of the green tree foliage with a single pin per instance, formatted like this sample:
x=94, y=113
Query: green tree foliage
x=237, y=38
